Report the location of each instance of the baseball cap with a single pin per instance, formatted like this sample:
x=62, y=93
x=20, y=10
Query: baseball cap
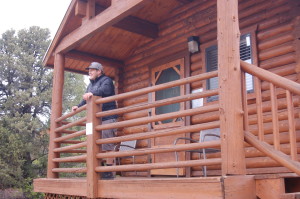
x=95, y=65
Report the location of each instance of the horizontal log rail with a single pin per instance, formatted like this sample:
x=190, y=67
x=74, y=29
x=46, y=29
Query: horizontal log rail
x=271, y=77
x=69, y=170
x=66, y=122
x=166, y=149
x=67, y=131
x=145, y=120
x=82, y=108
x=71, y=124
x=71, y=142
x=75, y=151
x=168, y=101
x=160, y=133
x=73, y=135
x=74, y=146
x=142, y=167
x=147, y=90
x=79, y=158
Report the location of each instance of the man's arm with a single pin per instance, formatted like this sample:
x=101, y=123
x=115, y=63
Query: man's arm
x=83, y=101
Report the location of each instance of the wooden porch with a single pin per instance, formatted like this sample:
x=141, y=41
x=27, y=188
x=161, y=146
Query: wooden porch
x=258, y=149
x=284, y=186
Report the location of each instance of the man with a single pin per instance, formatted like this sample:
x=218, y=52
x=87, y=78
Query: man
x=101, y=85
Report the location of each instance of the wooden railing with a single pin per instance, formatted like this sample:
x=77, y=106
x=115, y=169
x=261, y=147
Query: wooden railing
x=272, y=111
x=268, y=112
x=78, y=145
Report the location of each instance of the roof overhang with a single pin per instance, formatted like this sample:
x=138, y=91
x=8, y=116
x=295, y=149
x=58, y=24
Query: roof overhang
x=107, y=31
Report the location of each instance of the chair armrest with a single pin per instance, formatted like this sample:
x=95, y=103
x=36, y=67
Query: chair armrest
x=127, y=146
x=117, y=146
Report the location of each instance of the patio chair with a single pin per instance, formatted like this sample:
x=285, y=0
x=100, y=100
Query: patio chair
x=205, y=135
x=125, y=146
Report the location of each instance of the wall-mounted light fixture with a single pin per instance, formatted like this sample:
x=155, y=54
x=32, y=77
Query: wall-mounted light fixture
x=193, y=44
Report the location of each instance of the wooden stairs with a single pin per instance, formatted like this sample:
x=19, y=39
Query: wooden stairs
x=278, y=186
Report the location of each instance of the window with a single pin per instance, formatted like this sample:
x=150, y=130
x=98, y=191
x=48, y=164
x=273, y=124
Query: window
x=246, y=55
x=211, y=64
x=164, y=76
x=165, y=73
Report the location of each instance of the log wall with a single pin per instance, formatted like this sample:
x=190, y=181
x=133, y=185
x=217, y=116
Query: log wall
x=277, y=51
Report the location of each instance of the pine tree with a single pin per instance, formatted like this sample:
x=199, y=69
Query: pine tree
x=25, y=102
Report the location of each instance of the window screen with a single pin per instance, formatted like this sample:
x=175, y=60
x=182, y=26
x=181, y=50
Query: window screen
x=167, y=75
x=211, y=64
x=246, y=55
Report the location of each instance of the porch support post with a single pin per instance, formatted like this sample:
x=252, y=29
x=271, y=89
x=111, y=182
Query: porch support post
x=231, y=111
x=56, y=111
x=92, y=148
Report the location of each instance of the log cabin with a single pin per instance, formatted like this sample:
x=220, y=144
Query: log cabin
x=181, y=69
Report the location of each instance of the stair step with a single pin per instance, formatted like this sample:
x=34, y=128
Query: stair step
x=295, y=195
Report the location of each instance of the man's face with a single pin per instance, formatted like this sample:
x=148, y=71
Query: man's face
x=93, y=73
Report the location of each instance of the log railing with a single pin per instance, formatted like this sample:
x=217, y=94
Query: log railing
x=79, y=142
x=268, y=112
x=272, y=110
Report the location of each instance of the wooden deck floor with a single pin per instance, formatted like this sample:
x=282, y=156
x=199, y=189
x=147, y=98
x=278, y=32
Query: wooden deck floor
x=154, y=187
x=120, y=187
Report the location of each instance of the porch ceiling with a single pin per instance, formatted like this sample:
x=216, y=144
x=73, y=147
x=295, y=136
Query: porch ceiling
x=115, y=43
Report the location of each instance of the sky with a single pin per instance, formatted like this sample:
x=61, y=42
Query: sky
x=19, y=14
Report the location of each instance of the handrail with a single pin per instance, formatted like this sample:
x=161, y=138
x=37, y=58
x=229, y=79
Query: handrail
x=147, y=90
x=163, y=165
x=167, y=101
x=79, y=158
x=70, y=170
x=152, y=134
x=69, y=136
x=271, y=77
x=74, y=146
x=282, y=88
x=139, y=121
x=70, y=124
x=70, y=114
x=278, y=156
x=170, y=148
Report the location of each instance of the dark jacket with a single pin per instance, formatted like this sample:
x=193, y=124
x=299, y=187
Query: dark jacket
x=102, y=86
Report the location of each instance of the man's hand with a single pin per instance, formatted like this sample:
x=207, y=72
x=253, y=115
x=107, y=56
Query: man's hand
x=74, y=108
x=86, y=96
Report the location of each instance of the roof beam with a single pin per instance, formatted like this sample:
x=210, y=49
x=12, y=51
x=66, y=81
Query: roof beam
x=110, y=16
x=139, y=26
x=130, y=23
x=107, y=62
x=185, y=1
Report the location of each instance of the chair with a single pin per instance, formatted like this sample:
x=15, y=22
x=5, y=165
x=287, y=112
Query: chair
x=205, y=135
x=125, y=146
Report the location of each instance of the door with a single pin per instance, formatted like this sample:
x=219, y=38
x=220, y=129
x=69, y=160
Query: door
x=163, y=74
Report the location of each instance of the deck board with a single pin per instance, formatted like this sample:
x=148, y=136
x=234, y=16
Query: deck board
x=210, y=187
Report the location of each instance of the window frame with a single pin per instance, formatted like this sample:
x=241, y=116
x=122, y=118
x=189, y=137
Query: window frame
x=252, y=30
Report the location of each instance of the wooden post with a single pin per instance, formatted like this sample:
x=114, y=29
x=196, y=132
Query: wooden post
x=56, y=111
x=231, y=112
x=92, y=148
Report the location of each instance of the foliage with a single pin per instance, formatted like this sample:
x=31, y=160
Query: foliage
x=24, y=105
x=75, y=88
x=25, y=101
